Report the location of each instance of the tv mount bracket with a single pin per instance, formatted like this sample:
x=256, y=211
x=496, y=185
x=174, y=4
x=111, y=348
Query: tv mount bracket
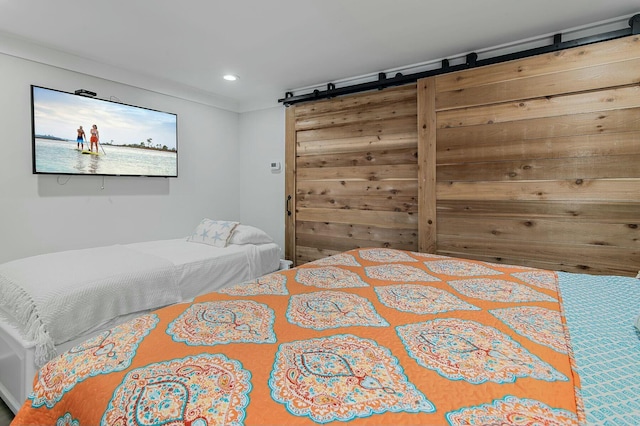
x=83, y=92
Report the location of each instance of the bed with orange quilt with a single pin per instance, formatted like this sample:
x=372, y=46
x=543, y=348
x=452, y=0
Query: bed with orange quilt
x=368, y=336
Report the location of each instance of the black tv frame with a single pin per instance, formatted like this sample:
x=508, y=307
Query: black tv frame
x=91, y=95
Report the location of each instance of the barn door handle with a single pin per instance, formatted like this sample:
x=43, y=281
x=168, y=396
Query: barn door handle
x=286, y=206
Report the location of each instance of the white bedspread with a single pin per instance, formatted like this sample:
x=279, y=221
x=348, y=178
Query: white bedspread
x=50, y=303
x=201, y=268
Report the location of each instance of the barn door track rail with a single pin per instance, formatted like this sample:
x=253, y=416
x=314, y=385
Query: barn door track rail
x=472, y=61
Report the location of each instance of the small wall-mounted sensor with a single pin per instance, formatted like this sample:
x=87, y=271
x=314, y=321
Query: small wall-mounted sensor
x=275, y=166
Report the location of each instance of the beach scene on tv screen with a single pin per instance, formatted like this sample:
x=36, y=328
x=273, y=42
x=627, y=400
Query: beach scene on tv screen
x=82, y=135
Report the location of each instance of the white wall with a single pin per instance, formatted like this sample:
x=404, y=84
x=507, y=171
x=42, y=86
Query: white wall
x=43, y=213
x=262, y=198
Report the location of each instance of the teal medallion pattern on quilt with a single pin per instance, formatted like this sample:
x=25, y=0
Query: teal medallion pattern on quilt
x=329, y=277
x=496, y=290
x=275, y=283
x=332, y=309
x=459, y=268
x=539, y=278
x=466, y=350
x=340, y=259
x=512, y=411
x=398, y=272
x=202, y=390
x=421, y=299
x=385, y=255
x=67, y=420
x=223, y=322
x=111, y=350
x=340, y=378
x=541, y=325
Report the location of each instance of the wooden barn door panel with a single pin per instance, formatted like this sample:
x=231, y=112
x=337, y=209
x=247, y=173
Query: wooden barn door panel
x=538, y=160
x=356, y=174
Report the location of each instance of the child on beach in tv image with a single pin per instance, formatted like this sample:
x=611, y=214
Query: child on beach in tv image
x=81, y=137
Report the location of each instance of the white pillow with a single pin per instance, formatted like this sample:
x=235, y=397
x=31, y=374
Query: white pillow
x=213, y=232
x=246, y=234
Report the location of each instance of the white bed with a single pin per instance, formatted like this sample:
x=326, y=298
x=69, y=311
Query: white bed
x=111, y=285
x=202, y=268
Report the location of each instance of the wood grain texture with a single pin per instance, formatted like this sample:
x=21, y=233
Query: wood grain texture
x=362, y=157
x=592, y=67
x=356, y=173
x=356, y=144
x=570, y=59
x=396, y=108
x=395, y=203
x=560, y=82
x=600, y=190
x=548, y=106
x=356, y=188
x=381, y=219
x=533, y=162
x=427, y=162
x=290, y=185
x=309, y=254
x=538, y=160
x=572, y=168
x=593, y=259
x=593, y=145
x=616, y=121
x=519, y=228
x=348, y=104
x=598, y=211
x=359, y=172
x=383, y=128
x=389, y=236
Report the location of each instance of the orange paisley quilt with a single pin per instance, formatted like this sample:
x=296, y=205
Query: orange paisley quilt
x=368, y=336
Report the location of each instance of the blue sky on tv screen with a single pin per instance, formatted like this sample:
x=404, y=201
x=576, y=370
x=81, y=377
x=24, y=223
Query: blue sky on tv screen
x=59, y=114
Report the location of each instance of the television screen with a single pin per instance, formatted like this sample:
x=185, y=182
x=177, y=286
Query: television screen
x=80, y=135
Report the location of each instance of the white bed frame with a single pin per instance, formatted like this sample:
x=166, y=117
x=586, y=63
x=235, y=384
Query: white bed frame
x=14, y=362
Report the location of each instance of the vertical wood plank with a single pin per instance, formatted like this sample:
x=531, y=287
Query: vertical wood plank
x=427, y=165
x=290, y=184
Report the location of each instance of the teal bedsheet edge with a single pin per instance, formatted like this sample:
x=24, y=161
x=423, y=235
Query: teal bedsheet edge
x=601, y=312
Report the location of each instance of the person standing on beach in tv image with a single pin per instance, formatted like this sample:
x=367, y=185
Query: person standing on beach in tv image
x=80, y=139
x=95, y=137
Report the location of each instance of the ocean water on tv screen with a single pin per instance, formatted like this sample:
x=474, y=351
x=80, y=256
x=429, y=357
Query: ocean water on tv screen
x=55, y=156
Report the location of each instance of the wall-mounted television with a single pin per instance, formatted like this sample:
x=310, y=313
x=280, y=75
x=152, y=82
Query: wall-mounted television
x=83, y=135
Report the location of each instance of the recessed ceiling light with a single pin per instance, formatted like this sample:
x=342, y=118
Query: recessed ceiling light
x=230, y=77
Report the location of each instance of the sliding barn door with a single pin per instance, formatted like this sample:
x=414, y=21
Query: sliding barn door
x=531, y=162
x=352, y=174
x=538, y=160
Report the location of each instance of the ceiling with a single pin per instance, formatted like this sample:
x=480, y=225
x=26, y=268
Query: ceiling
x=184, y=47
